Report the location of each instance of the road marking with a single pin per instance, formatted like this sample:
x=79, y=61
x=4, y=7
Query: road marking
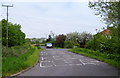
x=43, y=62
x=95, y=61
x=81, y=62
x=42, y=58
x=46, y=61
x=61, y=65
x=57, y=58
x=66, y=61
x=54, y=63
x=89, y=63
x=75, y=64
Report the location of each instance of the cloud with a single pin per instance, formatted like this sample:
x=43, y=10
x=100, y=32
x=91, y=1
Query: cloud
x=59, y=0
x=39, y=18
x=46, y=0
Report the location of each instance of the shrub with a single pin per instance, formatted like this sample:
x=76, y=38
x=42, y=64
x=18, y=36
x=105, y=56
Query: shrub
x=14, y=64
x=14, y=51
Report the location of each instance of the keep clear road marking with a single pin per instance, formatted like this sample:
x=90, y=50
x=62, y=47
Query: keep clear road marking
x=45, y=62
x=91, y=62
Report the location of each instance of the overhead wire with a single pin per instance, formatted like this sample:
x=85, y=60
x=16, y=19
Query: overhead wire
x=2, y=11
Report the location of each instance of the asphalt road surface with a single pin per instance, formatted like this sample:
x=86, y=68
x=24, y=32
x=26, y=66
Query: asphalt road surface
x=60, y=62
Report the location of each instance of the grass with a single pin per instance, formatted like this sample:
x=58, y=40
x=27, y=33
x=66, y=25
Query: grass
x=14, y=51
x=112, y=59
x=14, y=64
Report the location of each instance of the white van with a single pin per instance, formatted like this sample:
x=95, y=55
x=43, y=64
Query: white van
x=49, y=45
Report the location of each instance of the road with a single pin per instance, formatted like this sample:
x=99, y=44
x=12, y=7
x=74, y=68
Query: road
x=60, y=62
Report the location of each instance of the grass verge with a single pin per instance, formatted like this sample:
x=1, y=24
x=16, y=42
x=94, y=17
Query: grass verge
x=14, y=64
x=112, y=59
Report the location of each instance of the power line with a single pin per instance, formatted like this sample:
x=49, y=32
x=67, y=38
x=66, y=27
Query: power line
x=7, y=6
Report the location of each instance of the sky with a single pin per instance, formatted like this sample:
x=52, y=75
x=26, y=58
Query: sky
x=39, y=18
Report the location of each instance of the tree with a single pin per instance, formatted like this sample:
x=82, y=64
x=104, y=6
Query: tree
x=60, y=40
x=83, y=38
x=35, y=41
x=49, y=38
x=79, y=38
x=42, y=40
x=110, y=13
x=72, y=36
x=15, y=35
x=27, y=41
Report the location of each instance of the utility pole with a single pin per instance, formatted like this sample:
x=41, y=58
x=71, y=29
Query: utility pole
x=7, y=6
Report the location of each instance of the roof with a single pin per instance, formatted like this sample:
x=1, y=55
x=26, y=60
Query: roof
x=106, y=32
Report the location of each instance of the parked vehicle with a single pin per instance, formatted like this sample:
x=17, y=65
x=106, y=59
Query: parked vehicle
x=49, y=45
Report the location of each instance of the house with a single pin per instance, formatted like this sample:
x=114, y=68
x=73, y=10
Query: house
x=106, y=32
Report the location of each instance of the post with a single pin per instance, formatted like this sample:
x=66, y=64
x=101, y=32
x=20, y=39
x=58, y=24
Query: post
x=7, y=24
x=7, y=30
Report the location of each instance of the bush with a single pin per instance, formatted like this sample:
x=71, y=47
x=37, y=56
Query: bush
x=14, y=64
x=105, y=44
x=15, y=36
x=14, y=51
x=70, y=44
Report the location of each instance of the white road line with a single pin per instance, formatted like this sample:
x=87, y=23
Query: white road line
x=55, y=57
x=58, y=65
x=42, y=58
x=44, y=66
x=66, y=61
x=95, y=61
x=54, y=63
x=61, y=65
x=46, y=61
x=82, y=62
x=75, y=64
x=41, y=64
x=89, y=63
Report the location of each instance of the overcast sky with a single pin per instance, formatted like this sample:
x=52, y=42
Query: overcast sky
x=39, y=18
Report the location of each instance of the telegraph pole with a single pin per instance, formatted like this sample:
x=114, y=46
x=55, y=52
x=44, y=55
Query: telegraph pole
x=7, y=6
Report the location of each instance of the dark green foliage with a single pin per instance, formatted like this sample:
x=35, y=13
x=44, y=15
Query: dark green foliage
x=34, y=41
x=60, y=40
x=110, y=13
x=15, y=35
x=49, y=38
x=27, y=41
x=71, y=44
x=102, y=43
x=38, y=46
